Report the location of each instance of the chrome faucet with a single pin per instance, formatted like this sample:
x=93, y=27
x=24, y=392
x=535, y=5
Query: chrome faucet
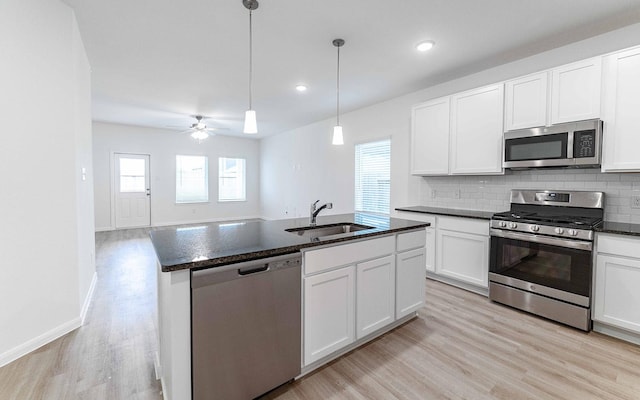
x=313, y=212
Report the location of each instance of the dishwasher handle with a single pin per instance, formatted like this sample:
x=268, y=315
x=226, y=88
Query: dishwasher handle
x=244, y=270
x=253, y=270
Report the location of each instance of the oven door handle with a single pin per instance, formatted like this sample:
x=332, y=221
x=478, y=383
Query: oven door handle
x=528, y=237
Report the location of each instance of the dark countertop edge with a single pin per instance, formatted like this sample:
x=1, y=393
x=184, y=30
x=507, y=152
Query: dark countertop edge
x=450, y=212
x=242, y=257
x=619, y=228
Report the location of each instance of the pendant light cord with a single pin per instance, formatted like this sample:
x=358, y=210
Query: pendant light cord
x=250, y=57
x=338, y=90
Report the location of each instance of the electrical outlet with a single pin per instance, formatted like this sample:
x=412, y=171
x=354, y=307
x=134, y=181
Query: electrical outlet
x=433, y=193
x=456, y=193
x=635, y=201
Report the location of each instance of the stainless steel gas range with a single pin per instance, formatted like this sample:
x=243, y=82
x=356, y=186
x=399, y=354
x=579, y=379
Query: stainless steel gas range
x=541, y=254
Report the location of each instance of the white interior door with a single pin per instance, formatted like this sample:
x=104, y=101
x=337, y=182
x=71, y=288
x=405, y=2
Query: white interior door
x=132, y=191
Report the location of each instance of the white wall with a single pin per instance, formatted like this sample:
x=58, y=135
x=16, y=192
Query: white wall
x=46, y=230
x=301, y=165
x=163, y=146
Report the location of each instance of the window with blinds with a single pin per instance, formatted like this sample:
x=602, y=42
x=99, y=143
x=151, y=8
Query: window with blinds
x=192, y=179
x=231, y=179
x=373, y=176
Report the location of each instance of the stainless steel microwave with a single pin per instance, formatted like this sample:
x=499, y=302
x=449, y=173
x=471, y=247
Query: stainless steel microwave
x=574, y=144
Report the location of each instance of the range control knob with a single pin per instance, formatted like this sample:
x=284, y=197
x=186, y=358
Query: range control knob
x=534, y=228
x=559, y=231
x=513, y=225
x=573, y=232
x=502, y=224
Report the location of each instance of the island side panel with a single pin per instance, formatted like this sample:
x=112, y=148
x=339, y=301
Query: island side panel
x=174, y=333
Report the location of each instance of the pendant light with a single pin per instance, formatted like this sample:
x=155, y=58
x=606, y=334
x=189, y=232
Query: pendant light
x=250, y=124
x=337, y=130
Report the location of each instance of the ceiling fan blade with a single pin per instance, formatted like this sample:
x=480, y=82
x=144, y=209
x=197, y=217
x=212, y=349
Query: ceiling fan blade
x=216, y=129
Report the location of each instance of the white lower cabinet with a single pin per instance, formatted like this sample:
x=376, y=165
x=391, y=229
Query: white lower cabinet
x=329, y=312
x=410, y=278
x=463, y=250
x=354, y=290
x=375, y=295
x=430, y=249
x=617, y=279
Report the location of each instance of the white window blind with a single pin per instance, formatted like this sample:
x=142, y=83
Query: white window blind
x=192, y=179
x=373, y=176
x=231, y=179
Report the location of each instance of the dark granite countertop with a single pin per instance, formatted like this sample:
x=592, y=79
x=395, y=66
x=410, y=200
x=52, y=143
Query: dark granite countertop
x=451, y=212
x=216, y=244
x=619, y=228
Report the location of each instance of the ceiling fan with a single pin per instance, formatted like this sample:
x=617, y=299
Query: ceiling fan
x=199, y=130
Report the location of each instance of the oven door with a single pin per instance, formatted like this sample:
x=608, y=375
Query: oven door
x=553, y=267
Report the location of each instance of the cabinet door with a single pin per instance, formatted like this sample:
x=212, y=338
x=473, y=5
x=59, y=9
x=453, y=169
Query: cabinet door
x=410, y=281
x=621, y=111
x=375, y=295
x=616, y=294
x=526, y=101
x=575, y=91
x=430, y=138
x=476, y=131
x=430, y=250
x=463, y=256
x=329, y=308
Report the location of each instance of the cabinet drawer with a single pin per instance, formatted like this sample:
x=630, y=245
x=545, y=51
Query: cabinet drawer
x=411, y=240
x=336, y=256
x=465, y=225
x=626, y=246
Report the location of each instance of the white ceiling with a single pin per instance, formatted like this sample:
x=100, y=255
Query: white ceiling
x=155, y=63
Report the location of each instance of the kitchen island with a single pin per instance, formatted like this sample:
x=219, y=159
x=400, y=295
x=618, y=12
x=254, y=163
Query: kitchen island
x=391, y=246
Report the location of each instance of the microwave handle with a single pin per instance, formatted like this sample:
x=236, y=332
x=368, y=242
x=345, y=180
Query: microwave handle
x=570, y=144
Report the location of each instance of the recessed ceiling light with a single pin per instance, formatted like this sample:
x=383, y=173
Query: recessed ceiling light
x=301, y=88
x=426, y=45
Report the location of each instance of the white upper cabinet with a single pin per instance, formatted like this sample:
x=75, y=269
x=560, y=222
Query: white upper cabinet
x=430, y=138
x=476, y=131
x=621, y=111
x=526, y=101
x=575, y=91
x=563, y=94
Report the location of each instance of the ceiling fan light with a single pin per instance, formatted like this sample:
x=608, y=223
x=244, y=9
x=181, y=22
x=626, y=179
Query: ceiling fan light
x=199, y=135
x=250, y=124
x=338, y=139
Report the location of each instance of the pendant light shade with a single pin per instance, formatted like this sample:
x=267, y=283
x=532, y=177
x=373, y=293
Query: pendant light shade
x=338, y=139
x=337, y=135
x=250, y=123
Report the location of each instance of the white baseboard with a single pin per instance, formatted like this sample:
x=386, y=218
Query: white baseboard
x=39, y=341
x=204, y=221
x=173, y=223
x=88, y=298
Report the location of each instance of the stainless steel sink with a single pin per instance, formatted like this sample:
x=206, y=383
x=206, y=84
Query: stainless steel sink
x=328, y=230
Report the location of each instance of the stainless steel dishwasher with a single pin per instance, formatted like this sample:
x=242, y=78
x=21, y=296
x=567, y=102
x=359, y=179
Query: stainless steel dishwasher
x=245, y=328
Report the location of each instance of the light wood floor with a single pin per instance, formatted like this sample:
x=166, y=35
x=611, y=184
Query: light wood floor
x=111, y=356
x=461, y=347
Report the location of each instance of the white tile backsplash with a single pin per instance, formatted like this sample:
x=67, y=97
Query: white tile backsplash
x=491, y=193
